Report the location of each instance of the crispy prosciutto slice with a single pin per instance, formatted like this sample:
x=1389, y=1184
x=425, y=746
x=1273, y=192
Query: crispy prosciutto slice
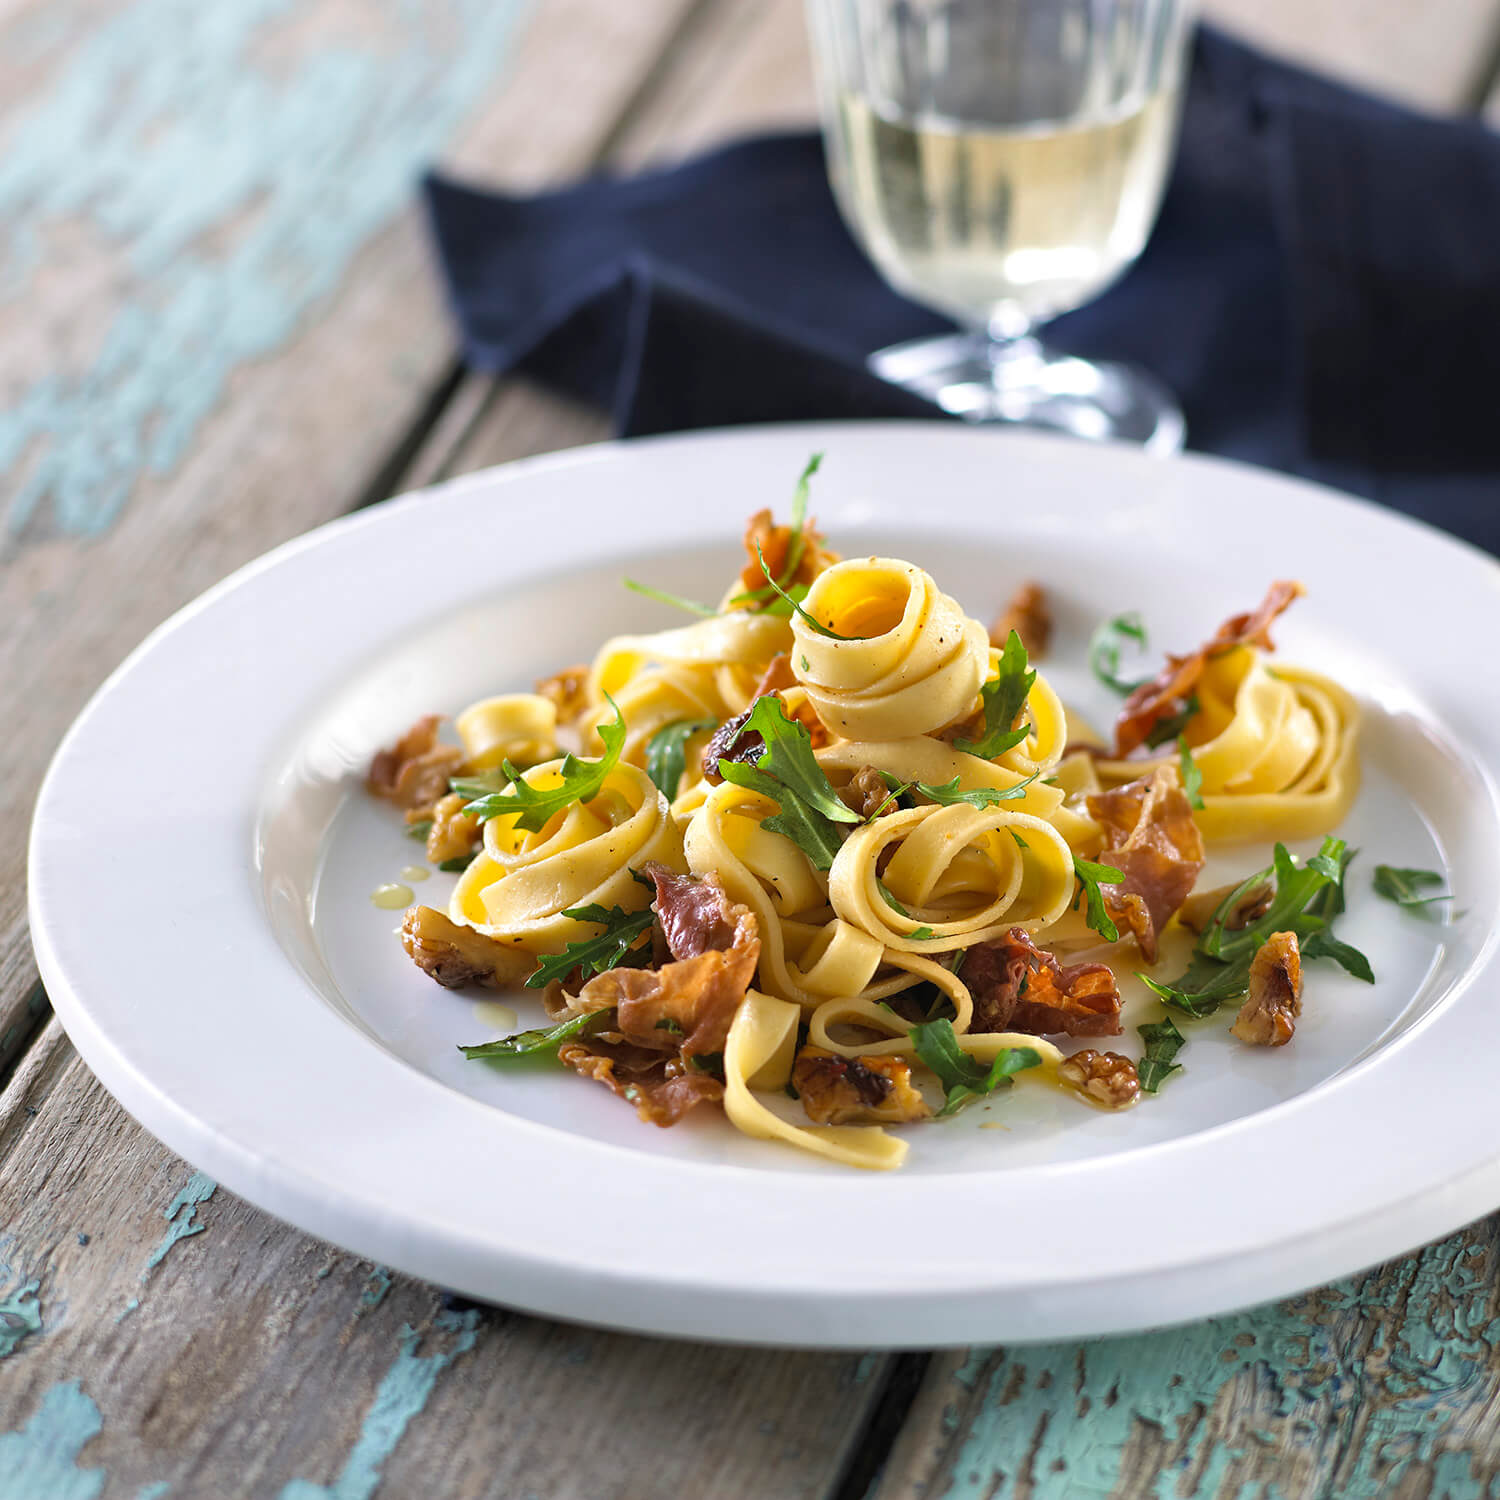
x=1150, y=837
x=1017, y=986
x=672, y=1022
x=1167, y=694
x=662, y=1088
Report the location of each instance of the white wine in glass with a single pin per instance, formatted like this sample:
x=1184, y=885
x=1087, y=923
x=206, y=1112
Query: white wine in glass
x=1003, y=161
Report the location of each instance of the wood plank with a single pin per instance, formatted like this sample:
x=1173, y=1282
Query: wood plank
x=256, y=1361
x=301, y=429
x=1385, y=1385
x=748, y=71
x=195, y=1344
x=1435, y=55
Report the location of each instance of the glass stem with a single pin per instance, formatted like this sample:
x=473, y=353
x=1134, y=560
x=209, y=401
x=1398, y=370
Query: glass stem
x=1009, y=348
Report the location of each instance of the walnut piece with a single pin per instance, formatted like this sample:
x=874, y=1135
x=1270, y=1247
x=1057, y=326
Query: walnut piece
x=1269, y=1015
x=1027, y=614
x=867, y=793
x=454, y=832
x=567, y=691
x=835, y=1090
x=455, y=955
x=1198, y=910
x=1106, y=1078
x=414, y=772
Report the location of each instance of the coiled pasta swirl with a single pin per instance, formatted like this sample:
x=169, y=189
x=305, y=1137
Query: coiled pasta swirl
x=520, y=884
x=1277, y=749
x=917, y=663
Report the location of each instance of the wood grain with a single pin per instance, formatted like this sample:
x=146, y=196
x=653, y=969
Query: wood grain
x=299, y=435
x=1383, y=1385
x=244, y=1359
x=748, y=71
x=195, y=1344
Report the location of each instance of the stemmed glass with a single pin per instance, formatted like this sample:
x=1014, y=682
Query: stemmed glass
x=1003, y=161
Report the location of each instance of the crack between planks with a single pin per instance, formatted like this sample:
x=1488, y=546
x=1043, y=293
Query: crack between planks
x=392, y=476
x=872, y=1441
x=36, y=1011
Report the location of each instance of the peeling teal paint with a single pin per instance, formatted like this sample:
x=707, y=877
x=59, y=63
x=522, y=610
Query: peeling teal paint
x=20, y=1317
x=40, y=1460
x=377, y=1284
x=224, y=170
x=129, y=1308
x=156, y=1491
x=403, y=1394
x=199, y=1189
x=1392, y=1361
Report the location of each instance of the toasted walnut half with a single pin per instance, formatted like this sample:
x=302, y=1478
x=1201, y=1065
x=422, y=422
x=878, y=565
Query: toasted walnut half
x=454, y=832
x=1027, y=614
x=1269, y=1015
x=455, y=955
x=835, y=1090
x=1199, y=908
x=867, y=793
x=414, y=772
x=566, y=690
x=1106, y=1078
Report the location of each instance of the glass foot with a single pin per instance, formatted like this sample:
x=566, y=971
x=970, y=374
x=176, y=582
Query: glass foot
x=1022, y=382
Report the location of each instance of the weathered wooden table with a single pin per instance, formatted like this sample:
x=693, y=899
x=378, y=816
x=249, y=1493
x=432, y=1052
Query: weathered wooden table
x=219, y=327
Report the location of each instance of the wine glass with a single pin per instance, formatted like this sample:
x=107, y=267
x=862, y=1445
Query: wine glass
x=1002, y=161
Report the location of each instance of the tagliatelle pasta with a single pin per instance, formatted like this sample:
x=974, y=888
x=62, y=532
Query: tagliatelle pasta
x=830, y=841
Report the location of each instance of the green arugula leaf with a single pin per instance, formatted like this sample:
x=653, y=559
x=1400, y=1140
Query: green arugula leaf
x=1020, y=842
x=984, y=796
x=581, y=781
x=788, y=772
x=1307, y=898
x=419, y=830
x=921, y=934
x=663, y=597
x=1163, y=1042
x=666, y=753
x=796, y=604
x=1324, y=945
x=1404, y=887
x=890, y=900
x=1105, y=648
x=963, y=1079
x=458, y=863
x=544, y=1040
x=1171, y=727
x=1090, y=877
x=1003, y=698
x=798, y=541
x=596, y=954
x=1192, y=777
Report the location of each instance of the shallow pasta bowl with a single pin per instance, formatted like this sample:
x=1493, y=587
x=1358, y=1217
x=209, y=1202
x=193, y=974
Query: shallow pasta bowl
x=206, y=933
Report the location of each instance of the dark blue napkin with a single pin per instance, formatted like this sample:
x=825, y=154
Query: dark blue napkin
x=1322, y=291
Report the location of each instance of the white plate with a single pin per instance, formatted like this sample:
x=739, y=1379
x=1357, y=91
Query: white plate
x=202, y=859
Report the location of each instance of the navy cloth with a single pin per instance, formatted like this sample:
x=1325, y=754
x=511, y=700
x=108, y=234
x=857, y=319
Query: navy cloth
x=1322, y=290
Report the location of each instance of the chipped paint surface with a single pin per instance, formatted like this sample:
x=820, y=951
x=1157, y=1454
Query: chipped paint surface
x=181, y=1213
x=20, y=1317
x=1347, y=1392
x=40, y=1460
x=377, y=1284
x=158, y=1491
x=216, y=167
x=403, y=1394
